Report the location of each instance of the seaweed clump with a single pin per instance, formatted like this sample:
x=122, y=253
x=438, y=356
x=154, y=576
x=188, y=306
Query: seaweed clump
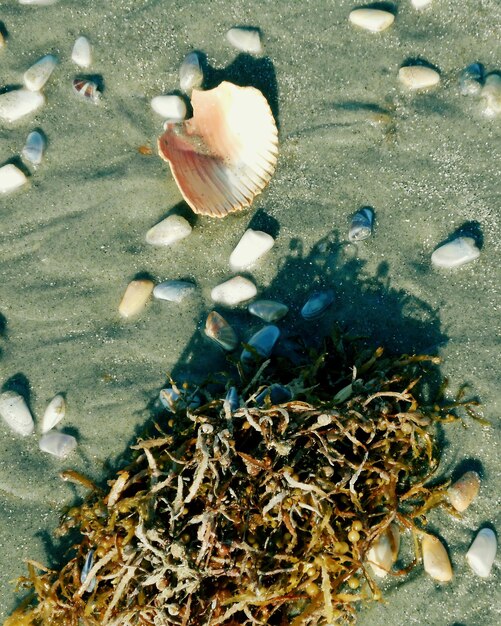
x=253, y=510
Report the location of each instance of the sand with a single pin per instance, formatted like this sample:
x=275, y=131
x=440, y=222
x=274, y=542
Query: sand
x=349, y=136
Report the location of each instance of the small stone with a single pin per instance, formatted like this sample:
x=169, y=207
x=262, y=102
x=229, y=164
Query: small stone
x=245, y=38
x=482, y=552
x=170, y=230
x=491, y=94
x=57, y=444
x=455, y=253
x=464, y=491
x=251, y=247
x=11, y=178
x=268, y=310
x=421, y=4
x=34, y=148
x=173, y=290
x=15, y=413
x=261, y=344
x=436, y=561
x=373, y=20
x=20, y=102
x=81, y=54
x=54, y=413
x=417, y=77
x=171, y=108
x=135, y=297
x=190, y=73
x=317, y=304
x=234, y=291
x=39, y=73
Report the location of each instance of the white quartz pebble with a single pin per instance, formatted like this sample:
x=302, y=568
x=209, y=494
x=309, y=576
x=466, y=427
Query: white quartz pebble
x=57, y=444
x=374, y=20
x=34, y=148
x=135, y=297
x=234, y=291
x=252, y=246
x=482, y=552
x=81, y=54
x=169, y=107
x=246, y=39
x=190, y=73
x=11, y=178
x=455, y=253
x=168, y=231
x=20, y=102
x=416, y=77
x=173, y=290
x=39, y=73
x=15, y=413
x=421, y=4
x=436, y=561
x=491, y=94
x=54, y=413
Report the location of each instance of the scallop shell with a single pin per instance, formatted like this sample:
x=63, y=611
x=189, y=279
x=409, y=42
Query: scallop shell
x=226, y=153
x=218, y=329
x=86, y=89
x=464, y=491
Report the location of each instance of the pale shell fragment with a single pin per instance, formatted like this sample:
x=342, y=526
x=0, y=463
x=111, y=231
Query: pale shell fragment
x=81, y=54
x=361, y=224
x=169, y=107
x=247, y=39
x=135, y=297
x=471, y=79
x=464, y=491
x=15, y=413
x=57, y=444
x=416, y=77
x=234, y=291
x=251, y=247
x=317, y=304
x=18, y=103
x=39, y=73
x=190, y=73
x=482, y=552
x=435, y=559
x=455, y=253
x=11, y=178
x=268, y=310
x=373, y=20
x=170, y=230
x=89, y=562
x=491, y=94
x=173, y=290
x=218, y=329
x=384, y=552
x=262, y=343
x=421, y=4
x=54, y=413
x=34, y=148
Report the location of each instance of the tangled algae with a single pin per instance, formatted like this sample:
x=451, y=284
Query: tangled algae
x=241, y=511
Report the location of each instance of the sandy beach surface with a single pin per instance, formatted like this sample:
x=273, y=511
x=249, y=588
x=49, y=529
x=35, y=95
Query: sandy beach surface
x=350, y=136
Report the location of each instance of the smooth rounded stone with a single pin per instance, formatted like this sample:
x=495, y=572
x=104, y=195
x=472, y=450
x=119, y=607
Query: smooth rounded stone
x=421, y=4
x=245, y=38
x=491, y=94
x=173, y=290
x=15, y=413
x=54, y=413
x=218, y=329
x=234, y=291
x=361, y=224
x=373, y=20
x=436, y=561
x=482, y=552
x=135, y=297
x=81, y=54
x=317, y=304
x=416, y=77
x=57, y=444
x=18, y=103
x=171, y=108
x=11, y=178
x=261, y=344
x=384, y=552
x=39, y=73
x=471, y=80
x=455, y=253
x=464, y=491
x=170, y=230
x=268, y=310
x=34, y=148
x=190, y=73
x=251, y=247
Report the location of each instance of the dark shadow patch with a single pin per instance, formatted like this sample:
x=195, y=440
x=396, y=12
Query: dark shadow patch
x=265, y=222
x=381, y=6
x=410, y=61
x=18, y=162
x=20, y=384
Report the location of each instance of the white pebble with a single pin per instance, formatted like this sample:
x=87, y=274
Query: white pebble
x=57, y=444
x=246, y=39
x=39, y=73
x=135, y=297
x=173, y=290
x=190, y=73
x=416, y=77
x=20, y=102
x=251, y=247
x=455, y=253
x=11, y=178
x=234, y=291
x=170, y=230
x=491, y=93
x=34, y=148
x=482, y=552
x=15, y=413
x=54, y=413
x=82, y=53
x=169, y=107
x=374, y=20
x=421, y=4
